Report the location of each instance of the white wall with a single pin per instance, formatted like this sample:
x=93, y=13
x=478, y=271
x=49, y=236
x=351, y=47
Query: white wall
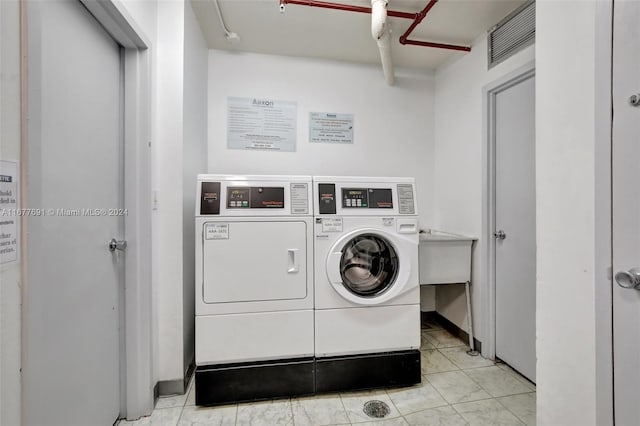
x=458, y=166
x=572, y=110
x=194, y=162
x=179, y=154
x=10, y=277
x=164, y=24
x=179, y=96
x=145, y=14
x=393, y=126
x=168, y=157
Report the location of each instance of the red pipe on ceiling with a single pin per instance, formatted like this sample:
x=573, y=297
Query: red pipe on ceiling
x=347, y=7
x=417, y=19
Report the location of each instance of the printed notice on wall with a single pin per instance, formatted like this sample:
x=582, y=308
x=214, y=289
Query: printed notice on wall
x=8, y=207
x=261, y=124
x=327, y=127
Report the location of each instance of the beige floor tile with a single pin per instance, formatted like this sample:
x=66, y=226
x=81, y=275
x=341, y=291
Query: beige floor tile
x=398, y=421
x=191, y=396
x=424, y=342
x=518, y=376
x=209, y=416
x=463, y=360
x=488, y=412
x=456, y=386
x=416, y=398
x=433, y=361
x=523, y=406
x=497, y=381
x=265, y=413
x=441, y=416
x=319, y=410
x=159, y=417
x=171, y=401
x=443, y=339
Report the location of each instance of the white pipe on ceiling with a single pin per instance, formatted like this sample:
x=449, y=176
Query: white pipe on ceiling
x=381, y=32
x=231, y=37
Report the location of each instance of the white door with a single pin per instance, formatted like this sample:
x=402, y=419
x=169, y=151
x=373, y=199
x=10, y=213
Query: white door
x=626, y=212
x=71, y=352
x=515, y=226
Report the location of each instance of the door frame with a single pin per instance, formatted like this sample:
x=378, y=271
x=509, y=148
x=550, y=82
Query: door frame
x=488, y=243
x=137, y=397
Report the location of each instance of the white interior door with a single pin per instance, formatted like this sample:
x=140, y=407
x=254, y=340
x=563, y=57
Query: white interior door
x=71, y=351
x=515, y=226
x=626, y=212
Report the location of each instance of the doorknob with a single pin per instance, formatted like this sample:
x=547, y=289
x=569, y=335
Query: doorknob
x=117, y=245
x=629, y=279
x=500, y=235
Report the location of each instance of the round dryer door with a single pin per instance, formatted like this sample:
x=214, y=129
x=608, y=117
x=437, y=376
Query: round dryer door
x=369, y=265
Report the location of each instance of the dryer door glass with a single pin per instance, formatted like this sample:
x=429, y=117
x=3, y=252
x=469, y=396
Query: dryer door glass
x=369, y=265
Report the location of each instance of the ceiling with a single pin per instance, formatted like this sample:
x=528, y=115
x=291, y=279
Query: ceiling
x=346, y=36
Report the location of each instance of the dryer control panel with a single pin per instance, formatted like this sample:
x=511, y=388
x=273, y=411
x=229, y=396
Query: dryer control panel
x=253, y=195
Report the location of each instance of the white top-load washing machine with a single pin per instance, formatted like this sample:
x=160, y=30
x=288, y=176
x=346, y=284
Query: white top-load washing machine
x=254, y=288
x=367, y=293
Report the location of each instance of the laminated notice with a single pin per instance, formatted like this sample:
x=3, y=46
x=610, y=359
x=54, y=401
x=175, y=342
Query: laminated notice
x=216, y=231
x=406, y=203
x=299, y=198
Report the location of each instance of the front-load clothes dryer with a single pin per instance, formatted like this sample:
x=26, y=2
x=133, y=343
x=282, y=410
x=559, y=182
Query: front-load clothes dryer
x=254, y=288
x=367, y=294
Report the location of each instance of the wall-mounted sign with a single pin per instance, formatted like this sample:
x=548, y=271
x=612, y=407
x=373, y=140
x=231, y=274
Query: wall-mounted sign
x=9, y=212
x=328, y=127
x=262, y=124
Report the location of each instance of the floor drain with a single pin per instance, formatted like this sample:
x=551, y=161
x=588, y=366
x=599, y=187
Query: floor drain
x=376, y=409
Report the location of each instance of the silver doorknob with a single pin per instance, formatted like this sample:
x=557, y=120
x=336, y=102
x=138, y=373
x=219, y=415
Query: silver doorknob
x=629, y=279
x=117, y=245
x=500, y=235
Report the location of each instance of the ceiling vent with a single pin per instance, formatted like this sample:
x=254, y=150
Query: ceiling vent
x=512, y=34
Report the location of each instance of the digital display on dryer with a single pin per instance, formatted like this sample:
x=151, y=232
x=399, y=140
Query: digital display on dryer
x=371, y=198
x=255, y=197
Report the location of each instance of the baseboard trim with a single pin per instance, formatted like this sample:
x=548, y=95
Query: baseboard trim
x=188, y=374
x=156, y=393
x=171, y=387
x=433, y=316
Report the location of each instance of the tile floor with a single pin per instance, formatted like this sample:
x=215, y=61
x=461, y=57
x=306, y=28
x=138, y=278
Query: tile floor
x=456, y=389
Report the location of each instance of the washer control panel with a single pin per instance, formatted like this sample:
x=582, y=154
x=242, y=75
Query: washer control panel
x=365, y=197
x=374, y=198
